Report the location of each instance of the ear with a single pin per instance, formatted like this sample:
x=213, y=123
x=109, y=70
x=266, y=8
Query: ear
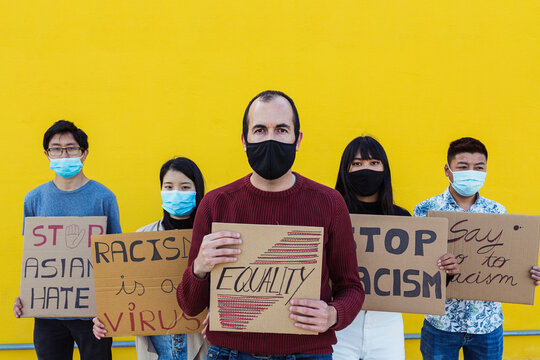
x=84, y=155
x=448, y=173
x=243, y=142
x=46, y=155
x=300, y=136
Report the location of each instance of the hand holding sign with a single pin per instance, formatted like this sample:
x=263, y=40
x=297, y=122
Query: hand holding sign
x=98, y=329
x=213, y=252
x=74, y=236
x=17, y=308
x=448, y=263
x=314, y=315
x=535, y=275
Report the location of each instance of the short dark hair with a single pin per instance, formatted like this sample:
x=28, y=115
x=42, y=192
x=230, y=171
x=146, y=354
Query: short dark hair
x=192, y=171
x=465, y=145
x=64, y=127
x=369, y=148
x=267, y=96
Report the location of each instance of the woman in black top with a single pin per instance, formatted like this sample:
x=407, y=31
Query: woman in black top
x=364, y=182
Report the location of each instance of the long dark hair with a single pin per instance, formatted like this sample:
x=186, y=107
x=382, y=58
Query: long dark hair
x=369, y=148
x=191, y=170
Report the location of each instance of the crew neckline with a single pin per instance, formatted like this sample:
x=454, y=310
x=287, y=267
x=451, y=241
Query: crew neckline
x=70, y=191
x=298, y=184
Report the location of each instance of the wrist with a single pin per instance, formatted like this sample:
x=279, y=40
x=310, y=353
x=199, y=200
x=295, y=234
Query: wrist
x=197, y=271
x=333, y=315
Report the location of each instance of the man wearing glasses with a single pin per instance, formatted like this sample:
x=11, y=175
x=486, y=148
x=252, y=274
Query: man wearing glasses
x=70, y=193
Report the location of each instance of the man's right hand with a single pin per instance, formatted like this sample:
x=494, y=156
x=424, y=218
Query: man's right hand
x=17, y=308
x=212, y=251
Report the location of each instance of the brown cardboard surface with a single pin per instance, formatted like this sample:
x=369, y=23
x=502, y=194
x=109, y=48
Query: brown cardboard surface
x=136, y=276
x=277, y=263
x=397, y=262
x=496, y=252
x=57, y=275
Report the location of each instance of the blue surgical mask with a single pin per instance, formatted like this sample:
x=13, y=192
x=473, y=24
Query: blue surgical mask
x=66, y=167
x=178, y=203
x=468, y=182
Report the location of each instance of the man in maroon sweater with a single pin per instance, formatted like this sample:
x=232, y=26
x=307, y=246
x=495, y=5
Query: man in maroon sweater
x=273, y=194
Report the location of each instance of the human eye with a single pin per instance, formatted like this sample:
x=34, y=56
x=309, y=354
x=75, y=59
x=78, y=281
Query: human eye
x=374, y=162
x=186, y=187
x=55, y=151
x=167, y=187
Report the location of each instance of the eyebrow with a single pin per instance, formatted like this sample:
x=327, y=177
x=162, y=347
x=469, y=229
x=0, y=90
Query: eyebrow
x=360, y=158
x=68, y=144
x=466, y=163
x=260, y=126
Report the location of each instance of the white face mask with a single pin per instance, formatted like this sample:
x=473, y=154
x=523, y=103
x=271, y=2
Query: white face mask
x=468, y=182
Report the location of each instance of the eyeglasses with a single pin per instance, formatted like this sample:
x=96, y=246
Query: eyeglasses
x=70, y=150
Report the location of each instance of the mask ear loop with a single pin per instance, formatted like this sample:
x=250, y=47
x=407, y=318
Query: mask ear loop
x=451, y=172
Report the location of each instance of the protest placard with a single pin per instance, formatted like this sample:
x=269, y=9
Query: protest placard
x=136, y=276
x=57, y=274
x=277, y=263
x=495, y=253
x=397, y=262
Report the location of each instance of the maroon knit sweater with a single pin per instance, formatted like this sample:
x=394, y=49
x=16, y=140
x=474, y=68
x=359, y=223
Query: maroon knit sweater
x=307, y=203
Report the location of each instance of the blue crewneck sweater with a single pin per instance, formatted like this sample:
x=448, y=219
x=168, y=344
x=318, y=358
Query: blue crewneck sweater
x=91, y=199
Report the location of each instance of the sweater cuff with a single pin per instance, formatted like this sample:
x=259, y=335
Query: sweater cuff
x=339, y=316
x=205, y=279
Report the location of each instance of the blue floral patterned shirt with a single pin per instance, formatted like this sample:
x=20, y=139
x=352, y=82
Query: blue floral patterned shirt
x=466, y=316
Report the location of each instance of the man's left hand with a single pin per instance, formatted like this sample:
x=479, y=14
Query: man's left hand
x=314, y=315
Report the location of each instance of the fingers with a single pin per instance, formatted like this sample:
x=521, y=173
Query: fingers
x=79, y=238
x=446, y=257
x=205, y=323
x=448, y=263
x=98, y=329
x=17, y=307
x=535, y=274
x=215, y=249
x=98, y=323
x=313, y=315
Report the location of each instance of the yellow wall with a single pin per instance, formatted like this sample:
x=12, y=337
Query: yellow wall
x=148, y=80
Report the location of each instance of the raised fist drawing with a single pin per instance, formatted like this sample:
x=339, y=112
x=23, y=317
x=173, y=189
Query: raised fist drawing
x=74, y=236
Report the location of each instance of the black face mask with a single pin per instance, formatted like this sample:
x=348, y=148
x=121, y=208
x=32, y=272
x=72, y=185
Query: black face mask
x=271, y=159
x=366, y=182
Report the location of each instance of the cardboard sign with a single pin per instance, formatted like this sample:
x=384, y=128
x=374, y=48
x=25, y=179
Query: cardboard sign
x=136, y=276
x=57, y=274
x=397, y=262
x=495, y=253
x=277, y=263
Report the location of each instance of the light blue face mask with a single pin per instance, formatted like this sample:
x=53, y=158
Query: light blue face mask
x=66, y=167
x=178, y=203
x=468, y=182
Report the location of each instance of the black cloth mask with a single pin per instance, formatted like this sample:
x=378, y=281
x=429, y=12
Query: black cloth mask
x=172, y=224
x=366, y=182
x=270, y=159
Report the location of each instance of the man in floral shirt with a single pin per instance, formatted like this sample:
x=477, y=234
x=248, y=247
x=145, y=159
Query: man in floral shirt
x=474, y=325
